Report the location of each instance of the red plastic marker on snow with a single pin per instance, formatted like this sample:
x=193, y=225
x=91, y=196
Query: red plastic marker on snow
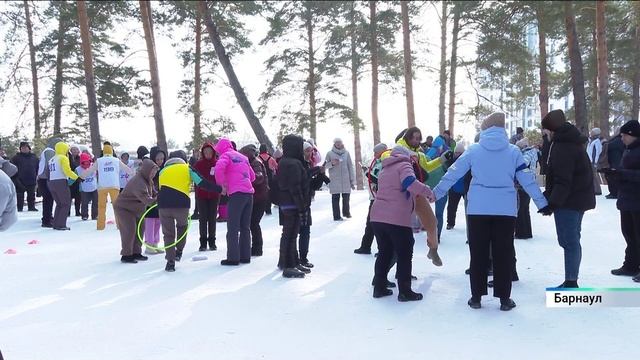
x=11, y=252
x=110, y=222
x=33, y=242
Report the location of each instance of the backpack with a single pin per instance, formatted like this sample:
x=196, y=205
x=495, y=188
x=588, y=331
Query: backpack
x=603, y=161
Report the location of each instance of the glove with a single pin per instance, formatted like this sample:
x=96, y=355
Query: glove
x=70, y=181
x=546, y=211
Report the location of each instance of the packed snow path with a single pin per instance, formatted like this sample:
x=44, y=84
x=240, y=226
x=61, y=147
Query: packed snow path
x=69, y=297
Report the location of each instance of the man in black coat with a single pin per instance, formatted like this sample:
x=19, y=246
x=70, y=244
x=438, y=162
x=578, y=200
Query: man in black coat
x=628, y=177
x=25, y=181
x=615, y=149
x=569, y=189
x=293, y=203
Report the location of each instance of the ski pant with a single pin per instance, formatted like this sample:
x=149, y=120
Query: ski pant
x=62, y=196
x=304, y=239
x=440, y=206
x=128, y=225
x=89, y=197
x=208, y=213
x=152, y=231
x=367, y=238
x=47, y=201
x=523, y=221
x=495, y=233
x=393, y=239
x=76, y=196
x=257, y=212
x=239, y=226
x=630, y=225
x=335, y=205
x=568, y=228
x=174, y=223
x=290, y=220
x=452, y=207
x=31, y=197
x=102, y=205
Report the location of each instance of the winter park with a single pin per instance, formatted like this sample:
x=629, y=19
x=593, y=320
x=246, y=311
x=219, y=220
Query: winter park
x=319, y=179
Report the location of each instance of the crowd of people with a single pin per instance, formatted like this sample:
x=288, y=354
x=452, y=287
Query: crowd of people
x=494, y=178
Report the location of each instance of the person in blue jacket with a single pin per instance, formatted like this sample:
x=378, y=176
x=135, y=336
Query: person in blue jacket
x=495, y=165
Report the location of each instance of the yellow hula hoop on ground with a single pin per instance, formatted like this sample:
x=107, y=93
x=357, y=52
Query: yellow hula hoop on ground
x=160, y=247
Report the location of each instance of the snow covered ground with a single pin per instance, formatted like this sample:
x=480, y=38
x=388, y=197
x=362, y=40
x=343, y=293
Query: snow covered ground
x=69, y=297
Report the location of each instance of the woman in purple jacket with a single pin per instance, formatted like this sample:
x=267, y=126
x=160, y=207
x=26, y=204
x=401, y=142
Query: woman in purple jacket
x=391, y=221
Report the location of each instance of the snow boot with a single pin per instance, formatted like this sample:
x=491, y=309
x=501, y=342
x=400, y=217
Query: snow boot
x=303, y=269
x=256, y=252
x=449, y=227
x=434, y=257
x=170, y=267
x=178, y=255
x=622, y=271
x=636, y=278
x=389, y=284
x=569, y=284
x=379, y=292
x=245, y=261
x=305, y=262
x=128, y=259
x=229, y=262
x=292, y=273
x=474, y=303
x=203, y=245
x=212, y=244
x=507, y=304
x=61, y=228
x=140, y=257
x=362, y=251
x=406, y=294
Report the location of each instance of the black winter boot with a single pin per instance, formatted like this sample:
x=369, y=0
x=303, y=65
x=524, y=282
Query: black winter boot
x=229, y=262
x=212, y=244
x=362, y=251
x=303, y=269
x=379, y=292
x=406, y=294
x=128, y=259
x=203, y=245
x=305, y=262
x=170, y=267
x=178, y=255
x=569, y=284
x=140, y=257
x=474, y=303
x=292, y=273
x=622, y=271
x=507, y=304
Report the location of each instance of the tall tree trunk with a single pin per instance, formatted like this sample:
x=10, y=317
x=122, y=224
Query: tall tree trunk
x=197, y=131
x=452, y=71
x=443, y=68
x=57, y=87
x=592, y=105
x=542, y=62
x=635, y=109
x=408, y=71
x=243, y=101
x=375, y=125
x=94, y=124
x=354, y=95
x=577, y=71
x=34, y=73
x=603, y=68
x=145, y=10
x=311, y=80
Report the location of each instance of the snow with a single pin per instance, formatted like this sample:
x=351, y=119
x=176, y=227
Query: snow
x=69, y=297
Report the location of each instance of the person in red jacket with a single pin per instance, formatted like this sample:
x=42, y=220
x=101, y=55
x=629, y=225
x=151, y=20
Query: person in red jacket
x=207, y=202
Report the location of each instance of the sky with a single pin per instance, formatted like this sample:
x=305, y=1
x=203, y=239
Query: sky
x=139, y=129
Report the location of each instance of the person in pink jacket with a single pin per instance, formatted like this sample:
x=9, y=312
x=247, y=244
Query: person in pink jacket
x=235, y=175
x=391, y=221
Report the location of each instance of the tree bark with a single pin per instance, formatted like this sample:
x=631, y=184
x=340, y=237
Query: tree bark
x=57, y=87
x=408, y=71
x=542, y=62
x=34, y=72
x=592, y=102
x=354, y=95
x=145, y=10
x=453, y=68
x=603, y=67
x=635, y=108
x=243, y=101
x=443, y=68
x=577, y=71
x=311, y=80
x=197, y=132
x=375, y=125
x=94, y=124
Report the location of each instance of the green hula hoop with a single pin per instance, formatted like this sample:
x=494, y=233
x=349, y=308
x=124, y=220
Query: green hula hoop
x=160, y=247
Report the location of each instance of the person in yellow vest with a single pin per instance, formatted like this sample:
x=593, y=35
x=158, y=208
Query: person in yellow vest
x=108, y=169
x=174, y=203
x=60, y=178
